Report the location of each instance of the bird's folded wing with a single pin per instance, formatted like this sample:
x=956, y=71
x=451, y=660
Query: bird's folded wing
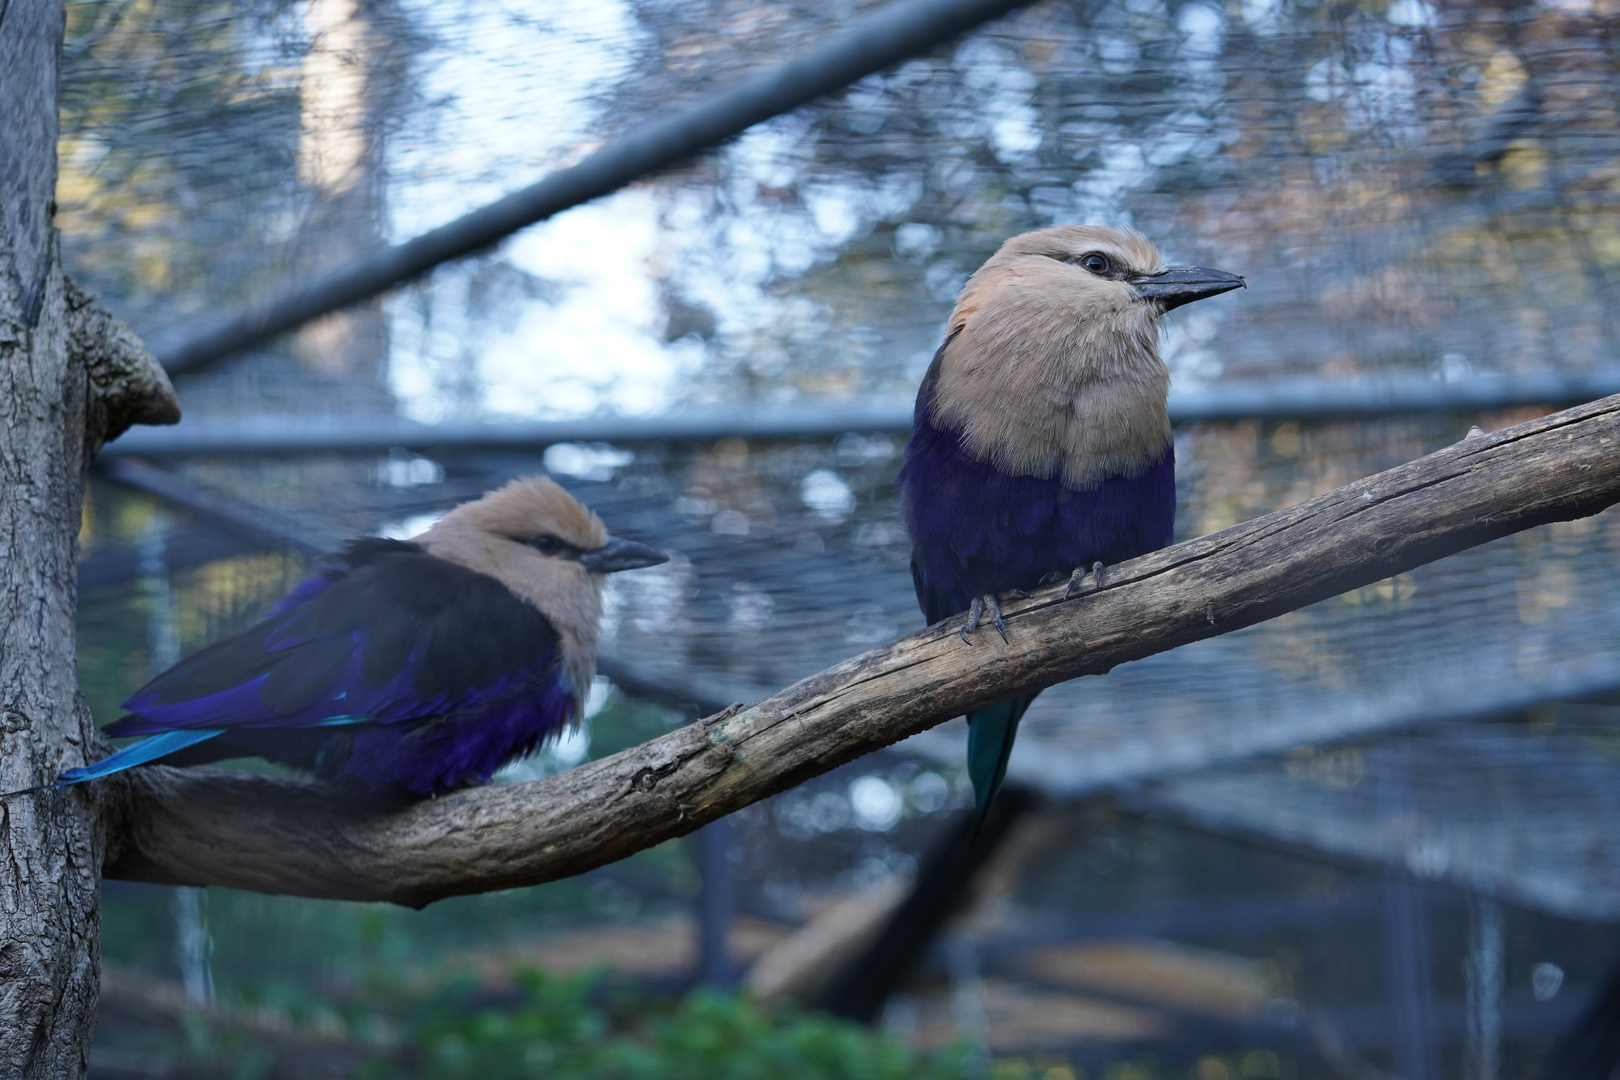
x=394, y=634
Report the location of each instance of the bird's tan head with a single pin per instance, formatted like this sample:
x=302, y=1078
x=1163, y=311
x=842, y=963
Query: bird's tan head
x=1084, y=273
x=541, y=543
x=528, y=509
x=1051, y=364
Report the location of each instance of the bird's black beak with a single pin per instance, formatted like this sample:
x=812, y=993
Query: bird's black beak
x=621, y=555
x=1177, y=285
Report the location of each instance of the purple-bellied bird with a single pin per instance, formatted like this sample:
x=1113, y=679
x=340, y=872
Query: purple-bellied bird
x=403, y=668
x=1041, y=446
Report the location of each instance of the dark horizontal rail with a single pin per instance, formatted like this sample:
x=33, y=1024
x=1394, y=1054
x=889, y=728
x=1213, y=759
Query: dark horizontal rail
x=280, y=434
x=1293, y=398
x=1309, y=397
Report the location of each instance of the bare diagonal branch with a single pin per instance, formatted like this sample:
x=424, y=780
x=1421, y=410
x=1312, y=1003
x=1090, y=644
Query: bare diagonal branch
x=209, y=827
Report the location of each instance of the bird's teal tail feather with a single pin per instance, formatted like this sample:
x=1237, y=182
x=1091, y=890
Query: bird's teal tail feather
x=990, y=741
x=147, y=750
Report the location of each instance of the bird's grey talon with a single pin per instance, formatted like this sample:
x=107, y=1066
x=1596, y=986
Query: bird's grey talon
x=1078, y=578
x=1018, y=594
x=995, y=616
x=975, y=613
x=980, y=605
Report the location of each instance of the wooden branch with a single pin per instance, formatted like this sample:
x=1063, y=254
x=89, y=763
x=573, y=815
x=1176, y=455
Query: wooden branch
x=203, y=827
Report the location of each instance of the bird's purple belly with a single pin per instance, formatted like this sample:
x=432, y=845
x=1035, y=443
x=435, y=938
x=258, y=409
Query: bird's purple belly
x=425, y=756
x=455, y=750
x=976, y=530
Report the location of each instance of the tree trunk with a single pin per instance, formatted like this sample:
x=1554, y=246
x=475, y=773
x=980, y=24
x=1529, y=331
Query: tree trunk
x=71, y=376
x=49, y=886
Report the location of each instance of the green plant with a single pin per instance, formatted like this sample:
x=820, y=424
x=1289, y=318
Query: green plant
x=566, y=1028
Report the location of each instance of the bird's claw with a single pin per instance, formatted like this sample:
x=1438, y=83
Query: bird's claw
x=1079, y=575
x=976, y=613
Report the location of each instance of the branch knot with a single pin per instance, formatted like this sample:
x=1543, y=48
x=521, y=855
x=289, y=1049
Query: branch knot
x=127, y=384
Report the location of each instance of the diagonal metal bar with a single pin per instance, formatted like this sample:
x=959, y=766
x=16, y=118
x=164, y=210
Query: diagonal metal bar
x=877, y=42
x=253, y=522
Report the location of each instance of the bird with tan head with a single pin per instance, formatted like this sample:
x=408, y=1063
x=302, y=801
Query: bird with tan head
x=1040, y=446
x=403, y=668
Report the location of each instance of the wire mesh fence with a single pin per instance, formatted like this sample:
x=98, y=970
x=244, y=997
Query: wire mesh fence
x=1422, y=189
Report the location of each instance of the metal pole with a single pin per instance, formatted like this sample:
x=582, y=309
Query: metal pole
x=969, y=1016
x=1406, y=972
x=1407, y=981
x=717, y=904
x=189, y=906
x=1259, y=399
x=1483, y=975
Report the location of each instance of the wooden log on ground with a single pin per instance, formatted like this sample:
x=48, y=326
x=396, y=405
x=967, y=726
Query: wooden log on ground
x=207, y=827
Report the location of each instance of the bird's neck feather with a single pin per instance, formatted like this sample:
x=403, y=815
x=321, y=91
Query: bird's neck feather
x=562, y=590
x=1036, y=387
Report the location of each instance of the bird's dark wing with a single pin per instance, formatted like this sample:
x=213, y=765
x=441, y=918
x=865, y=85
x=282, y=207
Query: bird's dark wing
x=388, y=633
x=936, y=604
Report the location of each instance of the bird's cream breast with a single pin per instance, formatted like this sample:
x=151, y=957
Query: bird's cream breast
x=1041, y=382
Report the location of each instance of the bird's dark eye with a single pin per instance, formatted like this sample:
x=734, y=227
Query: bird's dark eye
x=547, y=545
x=1096, y=262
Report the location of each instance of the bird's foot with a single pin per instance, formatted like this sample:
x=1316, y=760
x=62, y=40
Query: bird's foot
x=1079, y=575
x=981, y=604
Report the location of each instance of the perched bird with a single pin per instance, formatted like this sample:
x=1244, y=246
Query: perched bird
x=1041, y=446
x=403, y=668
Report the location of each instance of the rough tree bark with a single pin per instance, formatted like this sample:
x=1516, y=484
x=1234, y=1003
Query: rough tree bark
x=203, y=827
x=71, y=377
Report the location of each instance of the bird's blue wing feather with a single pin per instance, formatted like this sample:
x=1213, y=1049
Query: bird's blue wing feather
x=393, y=635
x=142, y=753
